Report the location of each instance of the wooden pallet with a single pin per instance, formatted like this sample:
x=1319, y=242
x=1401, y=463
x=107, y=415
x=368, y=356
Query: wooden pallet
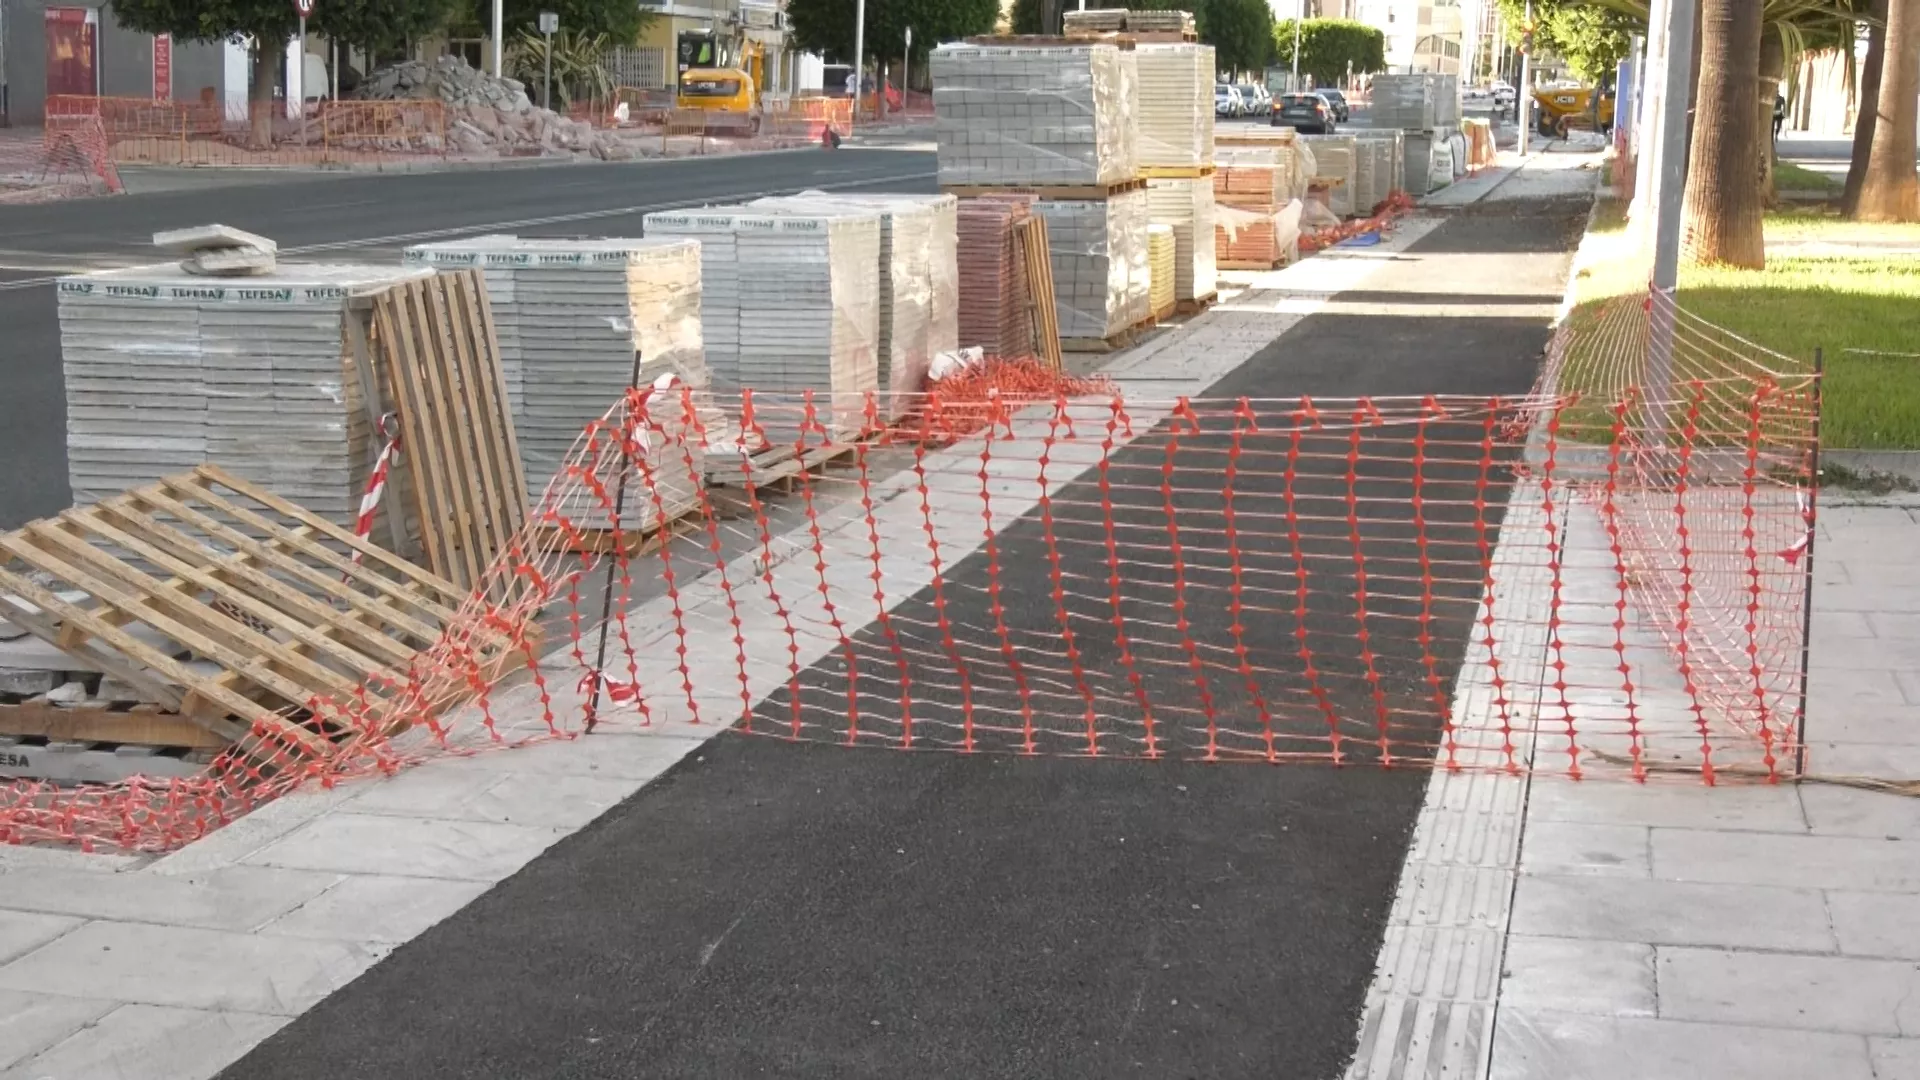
x=1248, y=264
x=1111, y=343
x=428, y=347
x=265, y=591
x=1051, y=41
x=781, y=468
x=105, y=722
x=1196, y=305
x=1036, y=254
x=1091, y=192
x=1176, y=172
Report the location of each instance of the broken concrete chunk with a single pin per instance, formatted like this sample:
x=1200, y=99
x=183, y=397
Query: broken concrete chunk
x=230, y=262
x=26, y=683
x=72, y=693
x=205, y=237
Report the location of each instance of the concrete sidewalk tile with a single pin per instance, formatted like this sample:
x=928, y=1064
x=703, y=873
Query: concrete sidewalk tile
x=410, y=847
x=459, y=794
x=1908, y=678
x=1831, y=655
x=639, y=754
x=145, y=1042
x=14, y=857
x=1560, y=847
x=1806, y=862
x=29, y=1023
x=1602, y=978
x=233, y=842
x=1885, y=925
x=1895, y=1059
x=1893, y=725
x=1541, y=1045
x=1818, y=993
x=231, y=898
x=1893, y=623
x=1883, y=761
x=379, y=909
x=196, y=969
x=1828, y=625
x=1671, y=913
x=21, y=932
x=1847, y=688
x=1690, y=805
x=1869, y=596
x=1840, y=811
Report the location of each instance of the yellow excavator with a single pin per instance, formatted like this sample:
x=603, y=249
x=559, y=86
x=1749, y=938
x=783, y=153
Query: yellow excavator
x=722, y=78
x=1567, y=109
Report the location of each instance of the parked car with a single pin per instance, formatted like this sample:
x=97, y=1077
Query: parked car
x=1339, y=102
x=1503, y=93
x=1309, y=114
x=1255, y=96
x=1226, y=101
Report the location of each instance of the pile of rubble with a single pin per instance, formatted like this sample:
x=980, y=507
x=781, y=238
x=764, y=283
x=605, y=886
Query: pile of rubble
x=489, y=115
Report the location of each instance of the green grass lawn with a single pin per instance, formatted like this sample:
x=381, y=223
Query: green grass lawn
x=1858, y=308
x=1790, y=177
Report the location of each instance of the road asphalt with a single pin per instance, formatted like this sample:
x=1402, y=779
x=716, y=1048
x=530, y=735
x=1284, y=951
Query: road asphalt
x=800, y=910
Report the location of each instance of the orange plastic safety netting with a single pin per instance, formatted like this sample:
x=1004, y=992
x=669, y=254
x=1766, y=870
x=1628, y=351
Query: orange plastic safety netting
x=66, y=158
x=1582, y=582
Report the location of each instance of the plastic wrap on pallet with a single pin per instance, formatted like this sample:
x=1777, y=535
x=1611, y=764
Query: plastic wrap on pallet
x=1033, y=115
x=1271, y=174
x=1187, y=206
x=166, y=371
x=791, y=304
x=569, y=316
x=1175, y=110
x=1417, y=164
x=993, y=280
x=1415, y=102
x=1333, y=157
x=1122, y=20
x=919, y=280
x=1099, y=258
x=1258, y=234
x=1389, y=151
x=1160, y=269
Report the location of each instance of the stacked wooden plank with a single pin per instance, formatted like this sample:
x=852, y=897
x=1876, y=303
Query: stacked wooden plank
x=166, y=370
x=801, y=309
x=576, y=314
x=919, y=279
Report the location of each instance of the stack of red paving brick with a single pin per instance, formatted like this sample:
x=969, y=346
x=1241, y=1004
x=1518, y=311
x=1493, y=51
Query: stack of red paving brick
x=993, y=279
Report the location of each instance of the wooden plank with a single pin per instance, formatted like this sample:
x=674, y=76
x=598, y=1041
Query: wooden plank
x=273, y=600
x=369, y=552
x=1036, y=244
x=507, y=440
x=475, y=363
x=139, y=654
x=146, y=725
x=1196, y=305
x=427, y=305
x=429, y=487
x=1175, y=172
x=1123, y=41
x=1091, y=192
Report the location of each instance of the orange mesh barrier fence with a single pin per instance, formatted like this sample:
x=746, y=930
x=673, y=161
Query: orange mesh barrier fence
x=66, y=158
x=1588, y=580
x=214, y=132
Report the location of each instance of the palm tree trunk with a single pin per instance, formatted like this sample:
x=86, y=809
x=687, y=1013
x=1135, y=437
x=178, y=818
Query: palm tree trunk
x=1891, y=189
x=1723, y=209
x=1868, y=114
x=1773, y=68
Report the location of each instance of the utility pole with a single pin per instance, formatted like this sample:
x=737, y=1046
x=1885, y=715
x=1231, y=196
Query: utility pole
x=1648, y=126
x=1672, y=172
x=1299, y=16
x=859, y=55
x=1523, y=94
x=499, y=32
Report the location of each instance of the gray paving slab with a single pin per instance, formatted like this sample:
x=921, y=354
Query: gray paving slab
x=1599, y=978
x=1885, y=725
x=1535, y=1044
x=196, y=969
x=1749, y=807
x=231, y=898
x=1887, y=761
x=464, y=794
x=1815, y=993
x=21, y=932
x=1808, y=862
x=149, y=1043
x=1883, y=925
x=1895, y=1059
x=29, y=1023
x=1840, y=811
x=376, y=909
x=1672, y=913
x=346, y=843
x=1568, y=848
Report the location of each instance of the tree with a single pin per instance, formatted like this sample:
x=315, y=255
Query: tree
x=1869, y=116
x=1890, y=190
x=1240, y=31
x=270, y=23
x=1723, y=211
x=826, y=26
x=1591, y=38
x=382, y=26
x=1330, y=48
x=620, y=20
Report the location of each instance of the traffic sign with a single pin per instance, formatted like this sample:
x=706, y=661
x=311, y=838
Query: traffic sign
x=549, y=22
x=304, y=7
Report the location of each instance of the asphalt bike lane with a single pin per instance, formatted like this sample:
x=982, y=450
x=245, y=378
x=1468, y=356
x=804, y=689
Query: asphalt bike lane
x=774, y=908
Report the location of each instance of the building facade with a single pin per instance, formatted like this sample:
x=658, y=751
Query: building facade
x=1426, y=35
x=62, y=47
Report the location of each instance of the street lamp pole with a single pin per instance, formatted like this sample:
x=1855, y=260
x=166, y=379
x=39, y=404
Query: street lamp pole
x=859, y=54
x=1299, y=16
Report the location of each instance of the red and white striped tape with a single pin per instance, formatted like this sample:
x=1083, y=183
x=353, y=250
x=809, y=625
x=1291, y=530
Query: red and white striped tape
x=376, y=485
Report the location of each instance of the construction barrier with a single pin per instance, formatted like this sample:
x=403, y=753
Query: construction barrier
x=65, y=159
x=211, y=132
x=1604, y=578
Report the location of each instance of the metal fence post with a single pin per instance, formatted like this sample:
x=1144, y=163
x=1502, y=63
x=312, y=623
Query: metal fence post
x=1806, y=602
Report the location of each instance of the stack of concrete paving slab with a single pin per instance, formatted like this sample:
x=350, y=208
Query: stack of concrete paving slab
x=1255, y=185
x=1098, y=251
x=1175, y=106
x=1389, y=158
x=1124, y=21
x=166, y=370
x=1160, y=299
x=1012, y=116
x=1187, y=207
x=801, y=307
x=1334, y=156
x=919, y=280
x=572, y=317
x=1426, y=107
